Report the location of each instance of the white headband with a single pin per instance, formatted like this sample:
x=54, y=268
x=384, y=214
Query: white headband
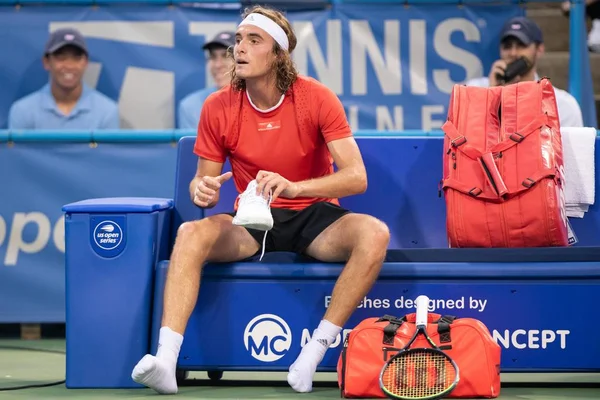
x=269, y=26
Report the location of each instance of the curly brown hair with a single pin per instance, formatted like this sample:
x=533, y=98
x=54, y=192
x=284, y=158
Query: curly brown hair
x=283, y=67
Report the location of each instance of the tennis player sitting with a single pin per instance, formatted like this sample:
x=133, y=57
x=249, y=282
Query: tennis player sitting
x=281, y=133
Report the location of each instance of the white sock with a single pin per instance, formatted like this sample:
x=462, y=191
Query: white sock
x=303, y=369
x=158, y=372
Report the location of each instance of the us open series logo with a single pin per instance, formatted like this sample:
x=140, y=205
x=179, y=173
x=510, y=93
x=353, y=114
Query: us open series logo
x=108, y=235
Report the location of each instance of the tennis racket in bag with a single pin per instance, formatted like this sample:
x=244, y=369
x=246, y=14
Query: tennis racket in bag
x=374, y=341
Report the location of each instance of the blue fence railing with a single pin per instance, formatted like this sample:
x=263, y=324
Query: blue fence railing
x=160, y=136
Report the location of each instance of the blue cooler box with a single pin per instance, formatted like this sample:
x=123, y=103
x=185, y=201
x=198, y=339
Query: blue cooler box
x=112, y=246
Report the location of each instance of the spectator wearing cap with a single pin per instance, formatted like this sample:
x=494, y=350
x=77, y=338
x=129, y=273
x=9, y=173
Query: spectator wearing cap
x=65, y=102
x=219, y=64
x=522, y=37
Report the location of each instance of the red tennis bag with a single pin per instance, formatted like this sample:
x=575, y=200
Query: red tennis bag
x=375, y=340
x=503, y=174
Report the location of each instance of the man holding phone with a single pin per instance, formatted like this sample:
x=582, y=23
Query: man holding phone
x=521, y=45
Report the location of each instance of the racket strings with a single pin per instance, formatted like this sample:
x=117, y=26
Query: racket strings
x=417, y=375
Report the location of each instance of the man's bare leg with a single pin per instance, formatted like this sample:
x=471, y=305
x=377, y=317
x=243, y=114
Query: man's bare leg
x=212, y=239
x=361, y=240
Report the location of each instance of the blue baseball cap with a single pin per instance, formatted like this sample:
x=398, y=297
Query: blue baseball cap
x=523, y=29
x=65, y=37
x=222, y=39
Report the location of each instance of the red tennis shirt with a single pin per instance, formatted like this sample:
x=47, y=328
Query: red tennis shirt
x=289, y=139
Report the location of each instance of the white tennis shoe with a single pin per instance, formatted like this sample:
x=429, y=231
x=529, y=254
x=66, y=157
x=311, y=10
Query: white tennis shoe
x=253, y=211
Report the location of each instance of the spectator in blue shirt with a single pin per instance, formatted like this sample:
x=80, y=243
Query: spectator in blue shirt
x=65, y=102
x=219, y=64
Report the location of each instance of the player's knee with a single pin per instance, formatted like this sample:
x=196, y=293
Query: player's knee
x=198, y=232
x=375, y=237
x=380, y=234
x=187, y=230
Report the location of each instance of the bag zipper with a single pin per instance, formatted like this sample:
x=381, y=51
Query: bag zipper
x=459, y=214
x=343, y=384
x=501, y=137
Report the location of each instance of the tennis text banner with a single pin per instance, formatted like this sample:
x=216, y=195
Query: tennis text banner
x=393, y=67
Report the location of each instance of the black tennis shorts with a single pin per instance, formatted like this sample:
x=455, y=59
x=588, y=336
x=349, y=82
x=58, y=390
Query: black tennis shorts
x=294, y=231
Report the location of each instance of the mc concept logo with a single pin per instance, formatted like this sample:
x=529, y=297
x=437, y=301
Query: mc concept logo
x=267, y=337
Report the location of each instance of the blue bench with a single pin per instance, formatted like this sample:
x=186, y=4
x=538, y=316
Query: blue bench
x=256, y=315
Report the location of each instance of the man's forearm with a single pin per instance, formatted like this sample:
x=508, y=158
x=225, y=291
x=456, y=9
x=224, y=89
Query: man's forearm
x=345, y=182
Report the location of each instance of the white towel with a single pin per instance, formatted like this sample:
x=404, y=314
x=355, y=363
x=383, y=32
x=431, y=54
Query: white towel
x=578, y=152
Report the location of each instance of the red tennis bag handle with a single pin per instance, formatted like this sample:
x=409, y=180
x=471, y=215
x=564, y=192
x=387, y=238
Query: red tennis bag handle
x=411, y=318
x=443, y=326
x=487, y=163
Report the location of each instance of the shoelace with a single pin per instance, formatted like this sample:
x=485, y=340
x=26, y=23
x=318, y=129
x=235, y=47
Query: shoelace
x=249, y=197
x=264, y=243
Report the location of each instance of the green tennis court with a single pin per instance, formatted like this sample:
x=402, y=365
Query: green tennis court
x=39, y=362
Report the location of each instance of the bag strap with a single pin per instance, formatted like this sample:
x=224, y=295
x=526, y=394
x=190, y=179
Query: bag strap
x=535, y=178
x=391, y=318
x=474, y=191
x=477, y=192
x=432, y=318
x=443, y=328
x=459, y=142
x=517, y=137
x=389, y=331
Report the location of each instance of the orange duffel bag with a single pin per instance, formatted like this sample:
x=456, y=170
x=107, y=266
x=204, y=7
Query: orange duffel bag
x=375, y=340
x=503, y=174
